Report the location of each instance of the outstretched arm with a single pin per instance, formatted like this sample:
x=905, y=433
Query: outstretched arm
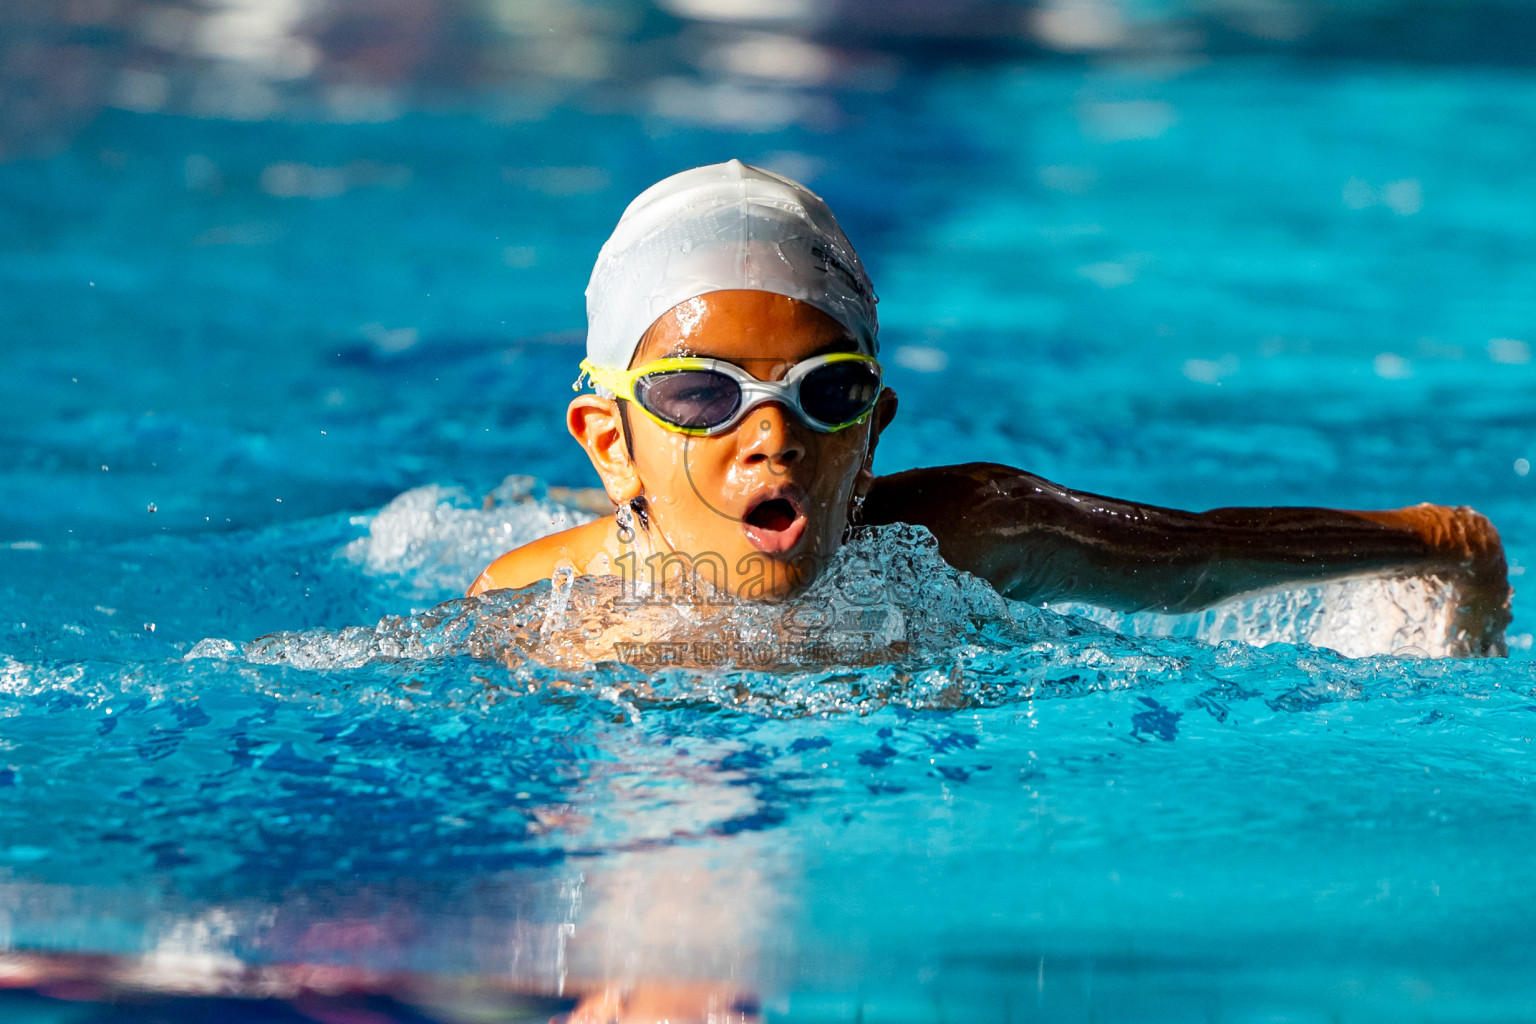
x=1036, y=541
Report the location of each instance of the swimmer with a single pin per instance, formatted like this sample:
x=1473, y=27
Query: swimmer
x=738, y=399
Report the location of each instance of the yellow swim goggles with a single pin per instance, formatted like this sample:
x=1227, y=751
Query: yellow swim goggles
x=705, y=397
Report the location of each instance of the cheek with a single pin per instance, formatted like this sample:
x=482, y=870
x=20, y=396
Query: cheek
x=839, y=457
x=681, y=470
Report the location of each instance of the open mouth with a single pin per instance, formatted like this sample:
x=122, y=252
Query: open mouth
x=774, y=514
x=774, y=523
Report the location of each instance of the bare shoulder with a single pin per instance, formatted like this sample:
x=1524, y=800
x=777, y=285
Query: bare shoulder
x=578, y=547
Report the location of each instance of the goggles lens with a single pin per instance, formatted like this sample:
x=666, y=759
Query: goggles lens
x=840, y=392
x=693, y=399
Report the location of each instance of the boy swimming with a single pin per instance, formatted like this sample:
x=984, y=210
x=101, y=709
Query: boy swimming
x=738, y=399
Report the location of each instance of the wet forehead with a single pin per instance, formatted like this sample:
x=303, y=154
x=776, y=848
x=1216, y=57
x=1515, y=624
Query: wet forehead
x=763, y=333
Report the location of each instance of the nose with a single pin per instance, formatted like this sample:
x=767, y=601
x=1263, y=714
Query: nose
x=771, y=434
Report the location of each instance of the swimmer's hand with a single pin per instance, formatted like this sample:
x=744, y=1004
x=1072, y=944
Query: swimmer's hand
x=1467, y=548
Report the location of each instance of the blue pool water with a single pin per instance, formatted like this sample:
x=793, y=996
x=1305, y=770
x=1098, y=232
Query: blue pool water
x=299, y=376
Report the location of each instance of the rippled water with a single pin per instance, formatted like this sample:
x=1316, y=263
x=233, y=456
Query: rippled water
x=258, y=430
x=1162, y=822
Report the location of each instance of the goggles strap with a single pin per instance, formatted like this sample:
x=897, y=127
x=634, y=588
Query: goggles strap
x=627, y=431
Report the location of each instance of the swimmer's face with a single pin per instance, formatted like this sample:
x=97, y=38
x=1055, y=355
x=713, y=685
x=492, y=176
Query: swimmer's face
x=771, y=496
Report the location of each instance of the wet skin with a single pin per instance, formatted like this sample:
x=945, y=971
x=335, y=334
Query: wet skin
x=1031, y=539
x=758, y=508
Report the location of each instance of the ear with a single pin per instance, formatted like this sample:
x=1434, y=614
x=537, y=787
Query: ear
x=594, y=422
x=880, y=418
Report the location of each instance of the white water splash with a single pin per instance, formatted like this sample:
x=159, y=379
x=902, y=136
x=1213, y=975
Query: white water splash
x=440, y=538
x=887, y=621
x=1412, y=617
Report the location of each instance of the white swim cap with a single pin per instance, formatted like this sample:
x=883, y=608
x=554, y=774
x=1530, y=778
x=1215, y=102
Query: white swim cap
x=724, y=226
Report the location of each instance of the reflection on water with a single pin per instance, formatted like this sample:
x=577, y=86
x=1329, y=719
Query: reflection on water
x=751, y=64
x=662, y=912
x=55, y=988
